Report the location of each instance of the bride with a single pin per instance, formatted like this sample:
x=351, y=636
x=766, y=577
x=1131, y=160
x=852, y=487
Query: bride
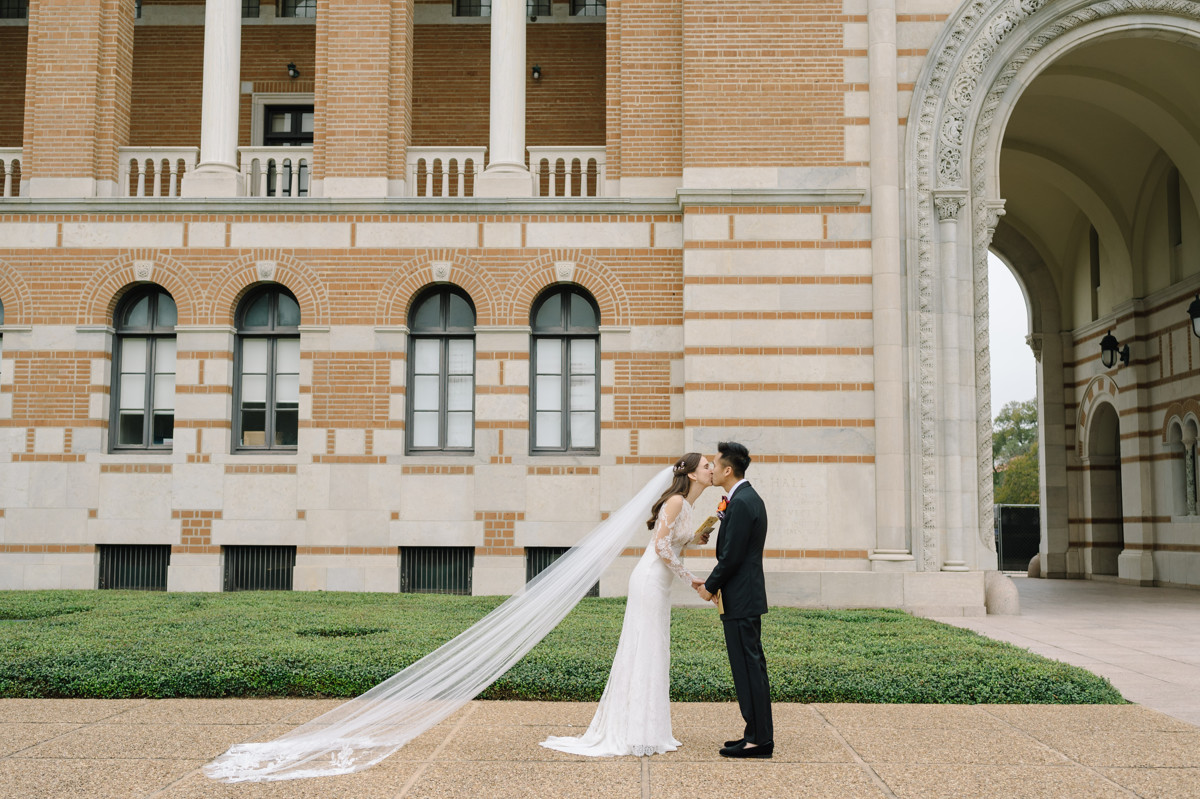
x=634, y=716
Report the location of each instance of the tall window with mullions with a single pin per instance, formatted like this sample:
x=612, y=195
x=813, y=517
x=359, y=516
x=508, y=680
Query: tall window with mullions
x=143, y=386
x=441, y=375
x=565, y=384
x=267, y=365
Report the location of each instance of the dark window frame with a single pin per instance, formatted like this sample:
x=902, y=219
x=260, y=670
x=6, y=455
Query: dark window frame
x=477, y=8
x=288, y=8
x=565, y=333
x=154, y=334
x=14, y=9
x=443, y=334
x=272, y=333
x=589, y=8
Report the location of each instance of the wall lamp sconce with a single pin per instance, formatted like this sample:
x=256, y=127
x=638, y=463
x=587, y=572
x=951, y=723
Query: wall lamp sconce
x=1111, y=349
x=1194, y=312
x=292, y=71
x=537, y=72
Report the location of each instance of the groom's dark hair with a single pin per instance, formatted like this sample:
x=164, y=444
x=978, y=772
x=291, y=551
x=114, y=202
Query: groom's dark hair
x=736, y=456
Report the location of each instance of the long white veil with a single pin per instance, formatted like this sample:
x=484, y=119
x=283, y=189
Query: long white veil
x=365, y=730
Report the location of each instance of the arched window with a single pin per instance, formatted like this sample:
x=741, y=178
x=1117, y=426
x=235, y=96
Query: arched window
x=267, y=366
x=441, y=372
x=143, y=386
x=566, y=361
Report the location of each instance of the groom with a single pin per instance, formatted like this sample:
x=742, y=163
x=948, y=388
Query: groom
x=739, y=577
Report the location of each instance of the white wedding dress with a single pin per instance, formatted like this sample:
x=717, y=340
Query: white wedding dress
x=634, y=716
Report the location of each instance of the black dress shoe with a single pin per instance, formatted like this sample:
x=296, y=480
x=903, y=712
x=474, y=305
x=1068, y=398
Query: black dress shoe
x=735, y=744
x=761, y=751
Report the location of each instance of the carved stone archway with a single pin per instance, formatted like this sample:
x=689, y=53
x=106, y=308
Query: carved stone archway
x=987, y=53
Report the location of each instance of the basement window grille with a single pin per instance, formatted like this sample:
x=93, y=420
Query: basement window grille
x=588, y=8
x=134, y=567
x=538, y=558
x=250, y=568
x=298, y=8
x=436, y=570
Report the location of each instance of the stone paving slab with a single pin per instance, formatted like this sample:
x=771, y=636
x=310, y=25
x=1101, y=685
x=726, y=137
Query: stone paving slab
x=154, y=749
x=1146, y=641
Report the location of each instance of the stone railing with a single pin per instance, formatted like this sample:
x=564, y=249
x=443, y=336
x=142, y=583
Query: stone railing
x=444, y=171
x=567, y=171
x=276, y=171
x=10, y=171
x=154, y=171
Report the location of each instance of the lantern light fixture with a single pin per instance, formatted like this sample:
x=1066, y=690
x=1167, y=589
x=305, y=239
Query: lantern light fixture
x=1111, y=350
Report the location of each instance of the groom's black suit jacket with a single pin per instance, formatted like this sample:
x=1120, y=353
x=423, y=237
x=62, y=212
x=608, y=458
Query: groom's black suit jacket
x=739, y=571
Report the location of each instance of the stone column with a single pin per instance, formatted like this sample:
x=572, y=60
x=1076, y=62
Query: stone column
x=217, y=173
x=953, y=366
x=506, y=174
x=893, y=550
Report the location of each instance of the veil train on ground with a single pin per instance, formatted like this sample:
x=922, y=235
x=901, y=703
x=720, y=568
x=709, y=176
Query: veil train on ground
x=368, y=728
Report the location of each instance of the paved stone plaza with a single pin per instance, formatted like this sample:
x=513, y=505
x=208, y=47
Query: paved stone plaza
x=1146, y=641
x=121, y=749
x=1143, y=639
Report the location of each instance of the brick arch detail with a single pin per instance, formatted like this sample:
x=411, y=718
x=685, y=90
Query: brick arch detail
x=1181, y=413
x=598, y=279
x=241, y=276
x=406, y=282
x=15, y=296
x=1101, y=388
x=108, y=284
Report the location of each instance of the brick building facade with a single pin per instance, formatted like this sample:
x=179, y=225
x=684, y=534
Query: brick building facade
x=370, y=281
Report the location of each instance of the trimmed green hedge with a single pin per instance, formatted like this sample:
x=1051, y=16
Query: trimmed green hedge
x=131, y=644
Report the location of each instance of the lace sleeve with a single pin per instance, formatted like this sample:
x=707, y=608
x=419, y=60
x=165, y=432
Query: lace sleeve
x=662, y=547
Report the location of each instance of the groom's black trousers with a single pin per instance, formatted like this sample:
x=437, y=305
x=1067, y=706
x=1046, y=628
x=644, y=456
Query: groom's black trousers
x=743, y=640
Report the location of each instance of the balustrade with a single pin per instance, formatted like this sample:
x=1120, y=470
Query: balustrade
x=154, y=171
x=276, y=171
x=444, y=171
x=567, y=171
x=10, y=170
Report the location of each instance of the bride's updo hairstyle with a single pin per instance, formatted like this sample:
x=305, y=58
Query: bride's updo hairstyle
x=680, y=484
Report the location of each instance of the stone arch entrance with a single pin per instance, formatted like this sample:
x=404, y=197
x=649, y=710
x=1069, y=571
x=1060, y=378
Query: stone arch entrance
x=974, y=162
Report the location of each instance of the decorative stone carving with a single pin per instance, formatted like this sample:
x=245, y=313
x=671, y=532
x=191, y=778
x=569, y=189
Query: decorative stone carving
x=1034, y=340
x=948, y=207
x=564, y=271
x=951, y=95
x=143, y=270
x=266, y=270
x=441, y=271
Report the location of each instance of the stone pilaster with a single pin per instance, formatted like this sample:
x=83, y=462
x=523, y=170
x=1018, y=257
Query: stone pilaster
x=78, y=90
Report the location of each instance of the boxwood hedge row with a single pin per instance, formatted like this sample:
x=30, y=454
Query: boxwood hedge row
x=108, y=644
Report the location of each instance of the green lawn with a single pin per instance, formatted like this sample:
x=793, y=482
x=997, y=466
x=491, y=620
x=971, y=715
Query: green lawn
x=126, y=644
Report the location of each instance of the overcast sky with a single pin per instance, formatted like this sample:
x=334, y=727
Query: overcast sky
x=1014, y=371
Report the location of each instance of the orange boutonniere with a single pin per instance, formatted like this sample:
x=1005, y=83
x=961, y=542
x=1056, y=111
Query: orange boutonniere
x=721, y=506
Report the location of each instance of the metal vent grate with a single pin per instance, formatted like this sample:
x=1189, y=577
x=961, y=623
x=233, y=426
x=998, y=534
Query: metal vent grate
x=538, y=558
x=134, y=567
x=436, y=570
x=259, y=568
